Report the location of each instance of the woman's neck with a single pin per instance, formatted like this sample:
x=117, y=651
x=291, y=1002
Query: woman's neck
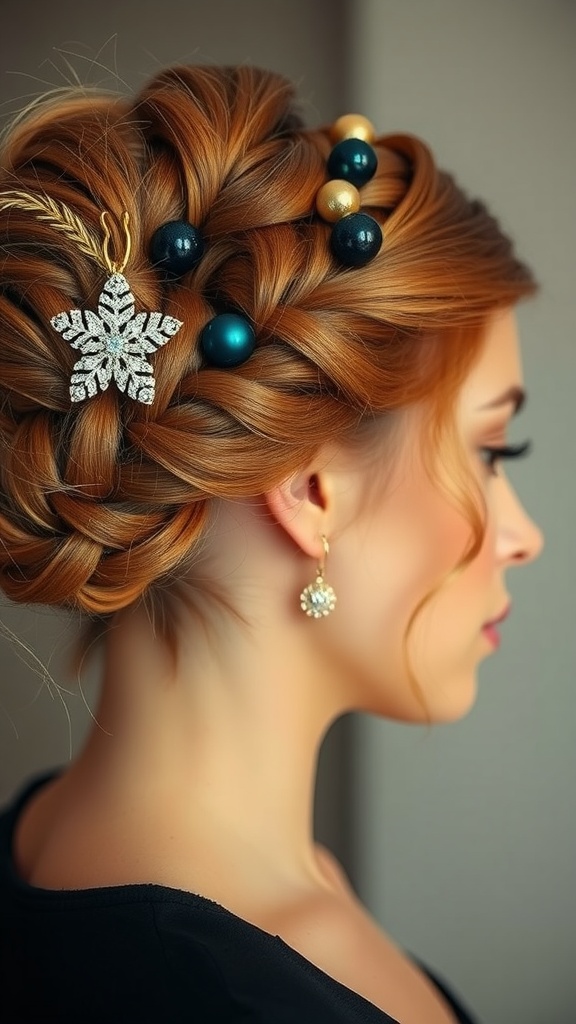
x=220, y=754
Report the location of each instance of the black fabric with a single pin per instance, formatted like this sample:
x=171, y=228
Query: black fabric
x=149, y=953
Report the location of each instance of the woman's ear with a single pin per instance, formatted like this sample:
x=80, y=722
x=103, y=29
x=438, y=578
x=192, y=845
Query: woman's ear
x=302, y=505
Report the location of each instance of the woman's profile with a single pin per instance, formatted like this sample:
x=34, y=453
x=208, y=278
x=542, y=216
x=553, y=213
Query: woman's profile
x=256, y=382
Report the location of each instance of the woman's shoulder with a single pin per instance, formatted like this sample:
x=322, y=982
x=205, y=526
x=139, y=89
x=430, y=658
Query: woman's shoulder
x=323, y=942
x=157, y=952
x=364, y=957
x=335, y=932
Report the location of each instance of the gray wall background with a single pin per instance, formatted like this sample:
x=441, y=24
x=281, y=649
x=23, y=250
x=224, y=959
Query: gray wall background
x=461, y=841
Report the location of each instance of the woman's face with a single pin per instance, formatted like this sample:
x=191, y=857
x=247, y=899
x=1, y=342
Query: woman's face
x=404, y=543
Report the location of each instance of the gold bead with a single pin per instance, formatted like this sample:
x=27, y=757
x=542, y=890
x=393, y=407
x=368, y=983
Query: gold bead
x=336, y=199
x=353, y=126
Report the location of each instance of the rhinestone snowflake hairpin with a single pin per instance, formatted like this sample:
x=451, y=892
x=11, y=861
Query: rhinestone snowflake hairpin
x=116, y=341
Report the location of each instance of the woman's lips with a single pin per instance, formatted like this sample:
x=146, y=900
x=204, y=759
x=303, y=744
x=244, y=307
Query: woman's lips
x=489, y=629
x=493, y=635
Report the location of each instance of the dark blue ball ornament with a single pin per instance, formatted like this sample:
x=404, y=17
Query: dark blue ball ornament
x=227, y=340
x=356, y=239
x=176, y=247
x=353, y=160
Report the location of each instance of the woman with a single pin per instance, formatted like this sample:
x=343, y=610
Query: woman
x=256, y=386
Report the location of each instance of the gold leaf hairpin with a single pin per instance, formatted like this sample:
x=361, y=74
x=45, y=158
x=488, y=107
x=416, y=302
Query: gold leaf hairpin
x=59, y=216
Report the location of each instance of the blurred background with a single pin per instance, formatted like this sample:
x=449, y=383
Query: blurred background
x=461, y=839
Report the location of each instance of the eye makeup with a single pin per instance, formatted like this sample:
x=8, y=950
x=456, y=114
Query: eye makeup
x=493, y=455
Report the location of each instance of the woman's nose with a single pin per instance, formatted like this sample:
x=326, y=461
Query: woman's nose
x=520, y=540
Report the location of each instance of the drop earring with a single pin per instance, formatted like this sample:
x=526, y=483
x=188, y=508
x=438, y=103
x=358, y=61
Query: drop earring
x=318, y=599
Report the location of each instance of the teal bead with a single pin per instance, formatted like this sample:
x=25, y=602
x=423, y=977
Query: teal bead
x=356, y=239
x=227, y=340
x=176, y=247
x=354, y=161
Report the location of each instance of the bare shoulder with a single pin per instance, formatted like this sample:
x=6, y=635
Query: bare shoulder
x=337, y=933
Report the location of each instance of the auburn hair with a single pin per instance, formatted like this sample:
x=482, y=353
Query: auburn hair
x=106, y=501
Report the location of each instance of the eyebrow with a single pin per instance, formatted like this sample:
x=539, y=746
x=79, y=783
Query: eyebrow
x=515, y=394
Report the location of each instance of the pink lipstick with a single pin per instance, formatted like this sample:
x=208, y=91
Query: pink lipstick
x=489, y=630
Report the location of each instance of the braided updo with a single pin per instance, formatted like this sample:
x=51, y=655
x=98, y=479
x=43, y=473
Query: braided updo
x=100, y=501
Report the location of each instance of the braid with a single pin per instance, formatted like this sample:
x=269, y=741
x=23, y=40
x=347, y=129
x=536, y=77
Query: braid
x=101, y=502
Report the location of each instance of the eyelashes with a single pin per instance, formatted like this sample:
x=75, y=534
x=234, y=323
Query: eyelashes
x=495, y=455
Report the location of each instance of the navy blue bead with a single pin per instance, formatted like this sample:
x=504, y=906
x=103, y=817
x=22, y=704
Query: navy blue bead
x=354, y=161
x=227, y=340
x=356, y=239
x=176, y=247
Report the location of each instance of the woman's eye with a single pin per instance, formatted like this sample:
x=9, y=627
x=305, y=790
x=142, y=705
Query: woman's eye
x=492, y=456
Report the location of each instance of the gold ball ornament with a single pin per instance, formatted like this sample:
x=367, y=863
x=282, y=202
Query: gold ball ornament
x=336, y=199
x=353, y=126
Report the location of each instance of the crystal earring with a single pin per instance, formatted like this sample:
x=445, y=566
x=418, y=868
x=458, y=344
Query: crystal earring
x=319, y=599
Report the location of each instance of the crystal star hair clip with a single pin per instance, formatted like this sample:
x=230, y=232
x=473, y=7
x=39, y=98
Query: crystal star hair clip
x=116, y=341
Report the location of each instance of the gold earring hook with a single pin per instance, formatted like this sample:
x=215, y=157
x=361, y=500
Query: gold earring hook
x=322, y=562
x=113, y=267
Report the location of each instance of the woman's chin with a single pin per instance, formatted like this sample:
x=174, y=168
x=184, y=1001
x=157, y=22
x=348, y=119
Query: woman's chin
x=440, y=704
x=456, y=702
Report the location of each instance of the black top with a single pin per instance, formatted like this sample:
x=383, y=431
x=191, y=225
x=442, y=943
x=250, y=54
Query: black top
x=150, y=953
